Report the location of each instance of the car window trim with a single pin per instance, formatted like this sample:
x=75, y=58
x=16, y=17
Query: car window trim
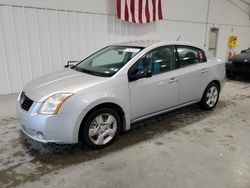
x=130, y=69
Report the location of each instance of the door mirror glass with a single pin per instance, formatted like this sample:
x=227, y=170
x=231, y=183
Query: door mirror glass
x=138, y=74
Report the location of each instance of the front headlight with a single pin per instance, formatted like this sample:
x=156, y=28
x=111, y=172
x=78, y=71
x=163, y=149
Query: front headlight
x=53, y=103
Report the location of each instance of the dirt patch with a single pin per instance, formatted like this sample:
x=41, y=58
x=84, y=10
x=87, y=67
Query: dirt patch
x=18, y=154
x=7, y=121
x=158, y=143
x=208, y=130
x=229, y=136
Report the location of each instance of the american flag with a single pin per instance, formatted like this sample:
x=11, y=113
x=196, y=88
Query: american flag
x=139, y=11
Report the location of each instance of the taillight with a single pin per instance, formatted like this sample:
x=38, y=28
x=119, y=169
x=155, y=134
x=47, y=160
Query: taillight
x=201, y=55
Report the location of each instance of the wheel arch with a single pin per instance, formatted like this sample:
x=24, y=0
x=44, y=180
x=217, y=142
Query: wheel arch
x=203, y=105
x=216, y=82
x=111, y=105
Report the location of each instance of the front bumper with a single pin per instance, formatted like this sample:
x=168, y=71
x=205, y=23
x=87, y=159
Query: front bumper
x=58, y=128
x=232, y=69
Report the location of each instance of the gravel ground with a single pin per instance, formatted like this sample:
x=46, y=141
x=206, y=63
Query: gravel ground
x=184, y=148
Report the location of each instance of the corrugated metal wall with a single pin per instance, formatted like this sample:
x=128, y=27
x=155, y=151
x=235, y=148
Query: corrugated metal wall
x=36, y=41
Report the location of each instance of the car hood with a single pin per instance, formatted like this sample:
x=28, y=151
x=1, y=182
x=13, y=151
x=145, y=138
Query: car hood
x=241, y=57
x=67, y=80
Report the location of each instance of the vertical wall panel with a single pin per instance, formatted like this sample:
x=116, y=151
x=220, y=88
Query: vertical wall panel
x=73, y=34
x=43, y=41
x=54, y=45
x=21, y=40
x=98, y=31
x=9, y=40
x=33, y=42
x=89, y=28
x=104, y=27
x=81, y=23
x=63, y=36
x=4, y=71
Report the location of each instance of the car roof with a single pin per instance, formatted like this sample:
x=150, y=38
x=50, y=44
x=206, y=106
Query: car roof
x=147, y=43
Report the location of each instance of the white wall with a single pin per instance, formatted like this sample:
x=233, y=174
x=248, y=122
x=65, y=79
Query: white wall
x=35, y=41
x=97, y=6
x=232, y=21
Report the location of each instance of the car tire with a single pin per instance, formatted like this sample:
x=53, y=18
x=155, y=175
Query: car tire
x=210, y=97
x=100, y=128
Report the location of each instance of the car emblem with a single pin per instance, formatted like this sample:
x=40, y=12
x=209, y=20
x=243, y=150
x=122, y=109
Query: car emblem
x=245, y=60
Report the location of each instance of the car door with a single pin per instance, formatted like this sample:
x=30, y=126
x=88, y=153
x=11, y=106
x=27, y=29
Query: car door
x=158, y=92
x=193, y=73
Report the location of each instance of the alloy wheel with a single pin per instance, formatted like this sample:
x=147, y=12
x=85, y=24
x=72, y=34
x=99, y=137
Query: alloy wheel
x=102, y=129
x=212, y=96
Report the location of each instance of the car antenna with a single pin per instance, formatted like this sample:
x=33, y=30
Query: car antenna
x=178, y=38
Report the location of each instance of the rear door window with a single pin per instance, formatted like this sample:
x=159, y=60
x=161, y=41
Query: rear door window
x=190, y=55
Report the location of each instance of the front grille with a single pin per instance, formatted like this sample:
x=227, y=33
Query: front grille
x=25, y=102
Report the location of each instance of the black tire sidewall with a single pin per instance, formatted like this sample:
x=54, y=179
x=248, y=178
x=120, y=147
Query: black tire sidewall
x=86, y=124
x=203, y=103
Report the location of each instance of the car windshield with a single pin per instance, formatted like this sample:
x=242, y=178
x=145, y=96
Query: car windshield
x=248, y=50
x=107, y=61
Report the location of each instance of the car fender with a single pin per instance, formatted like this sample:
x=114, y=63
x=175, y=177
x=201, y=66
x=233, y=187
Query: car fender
x=93, y=103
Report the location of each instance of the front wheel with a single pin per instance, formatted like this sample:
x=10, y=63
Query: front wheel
x=100, y=128
x=210, y=97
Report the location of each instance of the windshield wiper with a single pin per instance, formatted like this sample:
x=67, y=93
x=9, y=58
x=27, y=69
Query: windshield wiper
x=90, y=72
x=76, y=68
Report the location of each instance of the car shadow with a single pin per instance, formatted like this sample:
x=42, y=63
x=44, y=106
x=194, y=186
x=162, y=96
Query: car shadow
x=51, y=157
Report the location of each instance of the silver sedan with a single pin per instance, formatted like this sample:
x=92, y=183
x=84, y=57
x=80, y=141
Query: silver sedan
x=93, y=100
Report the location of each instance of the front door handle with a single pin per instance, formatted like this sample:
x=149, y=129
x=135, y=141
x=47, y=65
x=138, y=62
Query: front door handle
x=203, y=70
x=173, y=80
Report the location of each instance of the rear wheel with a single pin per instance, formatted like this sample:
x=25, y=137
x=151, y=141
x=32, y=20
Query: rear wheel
x=210, y=97
x=101, y=128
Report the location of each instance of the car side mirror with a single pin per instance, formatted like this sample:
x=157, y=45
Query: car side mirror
x=138, y=74
x=243, y=51
x=70, y=64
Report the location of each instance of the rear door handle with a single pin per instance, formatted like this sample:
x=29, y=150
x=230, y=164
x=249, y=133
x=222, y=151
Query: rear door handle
x=203, y=70
x=173, y=80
